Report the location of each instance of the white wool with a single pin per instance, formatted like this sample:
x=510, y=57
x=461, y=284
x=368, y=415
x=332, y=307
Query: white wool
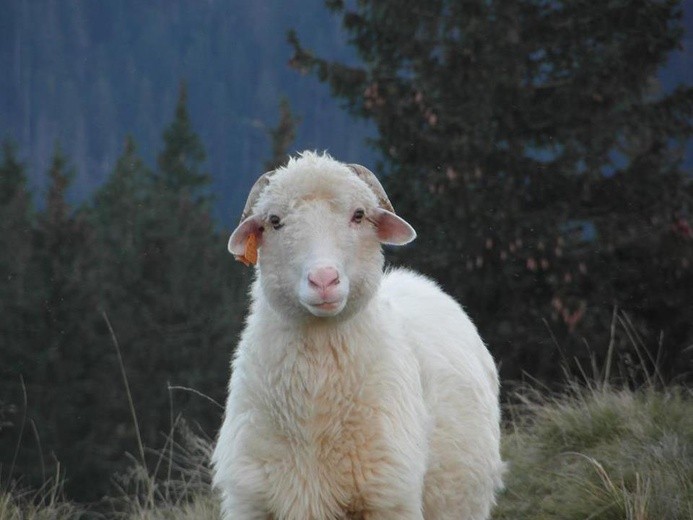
x=387, y=409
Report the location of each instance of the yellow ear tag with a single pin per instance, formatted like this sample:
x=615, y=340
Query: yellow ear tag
x=249, y=256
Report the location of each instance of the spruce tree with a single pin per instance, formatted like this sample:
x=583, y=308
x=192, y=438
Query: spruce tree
x=15, y=225
x=17, y=299
x=183, y=154
x=65, y=382
x=530, y=144
x=282, y=135
x=12, y=174
x=168, y=289
x=51, y=342
x=119, y=209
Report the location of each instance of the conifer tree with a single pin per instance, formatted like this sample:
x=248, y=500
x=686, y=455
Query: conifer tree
x=120, y=206
x=15, y=224
x=16, y=296
x=529, y=143
x=168, y=290
x=127, y=183
x=65, y=383
x=12, y=174
x=282, y=135
x=181, y=159
x=51, y=342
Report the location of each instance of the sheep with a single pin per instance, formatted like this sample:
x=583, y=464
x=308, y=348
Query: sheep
x=354, y=393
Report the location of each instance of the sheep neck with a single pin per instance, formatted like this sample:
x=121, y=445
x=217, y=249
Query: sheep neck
x=314, y=351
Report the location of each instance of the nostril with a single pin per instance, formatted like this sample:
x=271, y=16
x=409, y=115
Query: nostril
x=323, y=277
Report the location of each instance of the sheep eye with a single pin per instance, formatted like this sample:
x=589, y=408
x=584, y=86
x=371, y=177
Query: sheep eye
x=276, y=222
x=358, y=216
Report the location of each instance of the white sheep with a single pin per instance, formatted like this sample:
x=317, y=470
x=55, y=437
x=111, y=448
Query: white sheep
x=354, y=393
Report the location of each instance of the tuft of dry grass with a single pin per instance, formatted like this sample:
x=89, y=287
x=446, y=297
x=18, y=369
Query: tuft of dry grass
x=46, y=503
x=204, y=507
x=600, y=454
x=601, y=451
x=179, y=486
x=595, y=451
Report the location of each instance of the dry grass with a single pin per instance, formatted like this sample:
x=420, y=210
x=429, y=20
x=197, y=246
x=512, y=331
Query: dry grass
x=600, y=454
x=45, y=504
x=592, y=452
x=588, y=454
x=599, y=451
x=177, y=488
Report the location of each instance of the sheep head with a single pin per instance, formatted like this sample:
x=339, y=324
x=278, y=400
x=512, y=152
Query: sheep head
x=319, y=225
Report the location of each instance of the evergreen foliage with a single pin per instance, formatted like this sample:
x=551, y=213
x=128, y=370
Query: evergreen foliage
x=12, y=175
x=147, y=254
x=15, y=234
x=282, y=136
x=48, y=334
x=539, y=160
x=180, y=160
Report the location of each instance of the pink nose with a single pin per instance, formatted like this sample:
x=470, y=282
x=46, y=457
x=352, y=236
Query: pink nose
x=323, y=278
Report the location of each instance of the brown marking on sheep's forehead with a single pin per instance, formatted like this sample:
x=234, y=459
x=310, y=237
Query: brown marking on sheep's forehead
x=331, y=195
x=318, y=195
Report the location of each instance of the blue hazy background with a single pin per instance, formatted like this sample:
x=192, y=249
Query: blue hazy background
x=85, y=74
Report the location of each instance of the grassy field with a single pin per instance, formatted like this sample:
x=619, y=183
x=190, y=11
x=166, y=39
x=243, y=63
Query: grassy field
x=594, y=451
x=589, y=453
x=600, y=453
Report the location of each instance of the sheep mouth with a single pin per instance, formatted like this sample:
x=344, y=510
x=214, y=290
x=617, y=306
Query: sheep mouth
x=326, y=308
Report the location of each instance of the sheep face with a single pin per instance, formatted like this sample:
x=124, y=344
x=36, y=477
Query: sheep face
x=319, y=228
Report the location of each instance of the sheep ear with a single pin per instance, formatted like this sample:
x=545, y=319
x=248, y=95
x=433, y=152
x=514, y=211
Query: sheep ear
x=393, y=230
x=250, y=226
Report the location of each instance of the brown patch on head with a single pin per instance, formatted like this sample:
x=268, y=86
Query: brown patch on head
x=318, y=195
